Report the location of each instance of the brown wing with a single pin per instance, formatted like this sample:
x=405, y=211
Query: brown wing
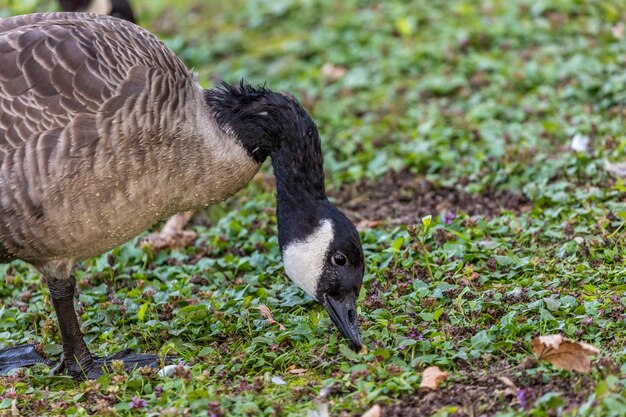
x=72, y=86
x=61, y=70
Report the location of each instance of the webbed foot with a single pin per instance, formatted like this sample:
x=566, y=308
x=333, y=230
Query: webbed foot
x=96, y=367
x=18, y=357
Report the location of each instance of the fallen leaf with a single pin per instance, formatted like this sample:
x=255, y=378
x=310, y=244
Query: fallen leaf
x=511, y=388
x=333, y=72
x=432, y=377
x=268, y=315
x=363, y=349
x=564, y=353
x=367, y=224
x=172, y=235
x=375, y=411
x=295, y=371
x=507, y=381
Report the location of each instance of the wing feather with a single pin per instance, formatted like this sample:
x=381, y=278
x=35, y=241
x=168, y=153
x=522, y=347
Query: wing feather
x=69, y=72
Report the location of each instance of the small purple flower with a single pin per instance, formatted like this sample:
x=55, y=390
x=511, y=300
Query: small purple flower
x=449, y=216
x=522, y=396
x=181, y=371
x=415, y=334
x=214, y=409
x=377, y=344
x=137, y=403
x=243, y=386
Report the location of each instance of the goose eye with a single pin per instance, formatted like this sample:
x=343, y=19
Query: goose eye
x=339, y=259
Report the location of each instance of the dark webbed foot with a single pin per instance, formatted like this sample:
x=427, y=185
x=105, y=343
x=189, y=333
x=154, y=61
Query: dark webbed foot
x=18, y=357
x=97, y=367
x=77, y=359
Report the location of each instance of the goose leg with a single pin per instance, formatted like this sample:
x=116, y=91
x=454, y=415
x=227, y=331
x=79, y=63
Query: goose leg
x=77, y=359
x=76, y=355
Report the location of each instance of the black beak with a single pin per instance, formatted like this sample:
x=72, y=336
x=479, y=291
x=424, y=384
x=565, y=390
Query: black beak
x=343, y=314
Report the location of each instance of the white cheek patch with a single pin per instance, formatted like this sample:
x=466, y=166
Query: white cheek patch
x=100, y=7
x=304, y=260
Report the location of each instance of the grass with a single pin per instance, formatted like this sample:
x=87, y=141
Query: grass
x=475, y=97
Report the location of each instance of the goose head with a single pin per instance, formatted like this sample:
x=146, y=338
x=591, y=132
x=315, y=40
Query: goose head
x=323, y=256
x=320, y=246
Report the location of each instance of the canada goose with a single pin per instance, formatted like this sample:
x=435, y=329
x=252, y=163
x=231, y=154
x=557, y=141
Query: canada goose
x=116, y=8
x=97, y=116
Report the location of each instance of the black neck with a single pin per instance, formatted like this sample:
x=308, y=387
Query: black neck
x=299, y=168
x=300, y=195
x=266, y=123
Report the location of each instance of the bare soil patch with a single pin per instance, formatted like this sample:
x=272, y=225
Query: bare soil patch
x=403, y=198
x=484, y=397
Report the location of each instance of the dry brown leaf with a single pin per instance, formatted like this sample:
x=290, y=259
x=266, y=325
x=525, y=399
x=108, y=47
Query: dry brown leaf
x=507, y=381
x=265, y=310
x=295, y=371
x=511, y=389
x=173, y=234
x=564, y=353
x=432, y=377
x=375, y=411
x=367, y=224
x=363, y=349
